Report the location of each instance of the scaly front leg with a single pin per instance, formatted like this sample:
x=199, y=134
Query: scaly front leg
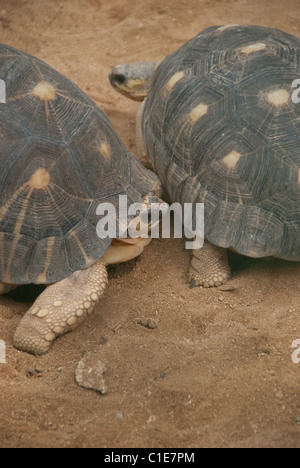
x=210, y=266
x=60, y=308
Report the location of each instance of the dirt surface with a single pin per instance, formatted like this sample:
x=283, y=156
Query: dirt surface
x=217, y=369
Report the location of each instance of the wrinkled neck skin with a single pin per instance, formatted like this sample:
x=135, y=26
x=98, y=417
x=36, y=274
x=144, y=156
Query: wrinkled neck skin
x=133, y=80
x=141, y=150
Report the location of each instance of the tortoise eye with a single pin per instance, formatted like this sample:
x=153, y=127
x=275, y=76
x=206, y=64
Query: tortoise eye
x=119, y=78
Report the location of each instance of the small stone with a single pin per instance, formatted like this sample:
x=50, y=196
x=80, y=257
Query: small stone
x=152, y=418
x=148, y=322
x=90, y=374
x=33, y=373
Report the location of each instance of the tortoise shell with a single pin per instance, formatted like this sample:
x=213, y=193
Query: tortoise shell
x=220, y=127
x=60, y=158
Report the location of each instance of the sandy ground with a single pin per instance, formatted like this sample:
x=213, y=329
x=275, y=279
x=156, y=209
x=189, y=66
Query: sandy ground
x=217, y=370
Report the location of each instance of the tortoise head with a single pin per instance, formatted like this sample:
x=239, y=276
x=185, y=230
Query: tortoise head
x=133, y=79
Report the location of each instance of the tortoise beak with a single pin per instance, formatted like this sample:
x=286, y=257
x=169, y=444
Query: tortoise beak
x=132, y=79
x=154, y=209
x=131, y=88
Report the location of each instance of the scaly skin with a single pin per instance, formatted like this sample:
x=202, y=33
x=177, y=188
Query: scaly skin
x=64, y=305
x=210, y=266
x=61, y=308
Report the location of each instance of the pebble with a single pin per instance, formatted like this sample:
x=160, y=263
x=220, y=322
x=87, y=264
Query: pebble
x=90, y=374
x=33, y=373
x=148, y=322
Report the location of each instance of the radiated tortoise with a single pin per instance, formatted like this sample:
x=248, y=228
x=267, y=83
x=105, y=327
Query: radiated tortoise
x=60, y=158
x=220, y=127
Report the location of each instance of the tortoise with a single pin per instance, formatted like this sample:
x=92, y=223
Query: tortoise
x=220, y=127
x=60, y=159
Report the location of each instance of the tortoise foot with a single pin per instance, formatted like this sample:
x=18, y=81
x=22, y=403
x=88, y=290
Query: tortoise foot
x=210, y=267
x=60, y=308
